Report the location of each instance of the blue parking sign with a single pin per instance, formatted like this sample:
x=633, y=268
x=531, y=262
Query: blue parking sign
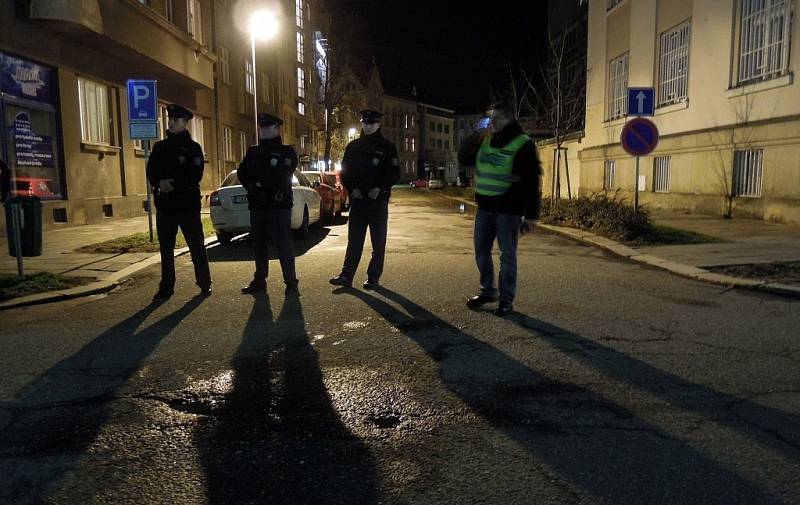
x=142, y=100
x=641, y=101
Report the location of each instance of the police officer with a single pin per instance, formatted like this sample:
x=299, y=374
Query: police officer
x=369, y=170
x=266, y=172
x=174, y=170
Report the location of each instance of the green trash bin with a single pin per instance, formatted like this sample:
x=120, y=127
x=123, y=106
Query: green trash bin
x=31, y=233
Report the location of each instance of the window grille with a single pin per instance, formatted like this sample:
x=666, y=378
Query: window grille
x=608, y=175
x=618, y=87
x=748, y=173
x=661, y=168
x=673, y=65
x=764, y=38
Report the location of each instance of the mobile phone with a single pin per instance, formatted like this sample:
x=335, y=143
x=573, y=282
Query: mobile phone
x=483, y=123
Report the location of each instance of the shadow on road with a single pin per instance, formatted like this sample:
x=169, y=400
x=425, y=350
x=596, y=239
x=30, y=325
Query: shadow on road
x=770, y=427
x=591, y=442
x=242, y=249
x=59, y=415
x=278, y=439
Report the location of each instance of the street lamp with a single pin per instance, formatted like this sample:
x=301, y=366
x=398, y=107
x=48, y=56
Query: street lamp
x=263, y=26
x=351, y=134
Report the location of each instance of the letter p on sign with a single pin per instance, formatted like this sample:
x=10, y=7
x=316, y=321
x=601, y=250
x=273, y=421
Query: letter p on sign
x=142, y=100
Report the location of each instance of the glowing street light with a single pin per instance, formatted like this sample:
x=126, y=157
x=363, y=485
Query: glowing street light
x=263, y=26
x=351, y=134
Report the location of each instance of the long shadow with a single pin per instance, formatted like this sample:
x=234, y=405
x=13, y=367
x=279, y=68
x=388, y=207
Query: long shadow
x=242, y=249
x=277, y=438
x=595, y=444
x=59, y=415
x=771, y=427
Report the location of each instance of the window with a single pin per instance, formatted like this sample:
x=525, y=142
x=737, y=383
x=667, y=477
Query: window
x=406, y=144
x=412, y=121
x=301, y=83
x=612, y=3
x=764, y=39
x=447, y=144
x=413, y=145
x=618, y=87
x=661, y=165
x=447, y=128
x=195, y=127
x=95, y=121
x=433, y=127
x=439, y=127
x=225, y=64
x=439, y=143
x=748, y=173
x=405, y=121
x=195, y=21
x=249, y=78
x=673, y=65
x=303, y=140
x=298, y=13
x=227, y=143
x=301, y=108
x=608, y=175
x=264, y=88
x=300, y=48
x=170, y=11
x=243, y=144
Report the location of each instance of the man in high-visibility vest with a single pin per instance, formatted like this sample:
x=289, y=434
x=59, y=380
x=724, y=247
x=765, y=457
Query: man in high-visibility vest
x=507, y=191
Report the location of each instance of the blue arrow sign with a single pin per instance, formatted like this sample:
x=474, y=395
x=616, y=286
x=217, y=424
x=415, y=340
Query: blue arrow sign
x=641, y=101
x=142, y=100
x=639, y=136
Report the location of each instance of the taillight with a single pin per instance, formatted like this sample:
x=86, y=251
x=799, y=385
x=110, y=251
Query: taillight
x=215, y=201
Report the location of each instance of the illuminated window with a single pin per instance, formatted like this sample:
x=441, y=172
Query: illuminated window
x=764, y=38
x=300, y=48
x=301, y=83
x=298, y=13
x=227, y=143
x=93, y=98
x=301, y=108
x=249, y=77
x=618, y=87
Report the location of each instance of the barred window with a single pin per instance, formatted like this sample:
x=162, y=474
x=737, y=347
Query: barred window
x=764, y=38
x=608, y=174
x=748, y=173
x=197, y=131
x=618, y=87
x=298, y=13
x=227, y=143
x=661, y=166
x=249, y=77
x=673, y=65
x=301, y=83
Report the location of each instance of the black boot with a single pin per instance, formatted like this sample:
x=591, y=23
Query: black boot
x=254, y=287
x=479, y=301
x=342, y=280
x=371, y=284
x=503, y=309
x=163, y=294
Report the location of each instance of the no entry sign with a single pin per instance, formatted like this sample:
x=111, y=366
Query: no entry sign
x=639, y=136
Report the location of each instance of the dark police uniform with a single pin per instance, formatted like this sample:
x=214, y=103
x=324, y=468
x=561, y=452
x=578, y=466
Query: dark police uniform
x=179, y=158
x=266, y=172
x=369, y=162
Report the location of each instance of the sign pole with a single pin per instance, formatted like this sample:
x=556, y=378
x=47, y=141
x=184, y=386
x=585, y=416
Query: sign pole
x=636, y=189
x=17, y=223
x=149, y=190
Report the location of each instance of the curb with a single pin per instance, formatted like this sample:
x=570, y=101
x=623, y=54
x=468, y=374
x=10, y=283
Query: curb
x=688, y=271
x=104, y=286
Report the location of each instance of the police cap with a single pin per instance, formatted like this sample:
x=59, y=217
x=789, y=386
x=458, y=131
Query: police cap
x=265, y=120
x=176, y=111
x=370, y=116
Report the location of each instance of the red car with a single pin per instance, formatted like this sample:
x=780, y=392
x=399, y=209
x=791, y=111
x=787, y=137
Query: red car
x=419, y=183
x=331, y=198
x=336, y=178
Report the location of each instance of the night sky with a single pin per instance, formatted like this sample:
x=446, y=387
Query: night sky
x=453, y=53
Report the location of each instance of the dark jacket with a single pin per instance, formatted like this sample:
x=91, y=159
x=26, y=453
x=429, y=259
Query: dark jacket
x=523, y=197
x=371, y=162
x=180, y=158
x=266, y=173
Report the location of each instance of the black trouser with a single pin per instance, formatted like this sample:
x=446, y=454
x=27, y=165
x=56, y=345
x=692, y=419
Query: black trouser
x=273, y=226
x=167, y=224
x=375, y=215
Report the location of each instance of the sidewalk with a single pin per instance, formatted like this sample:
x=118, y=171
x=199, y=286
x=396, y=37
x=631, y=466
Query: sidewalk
x=59, y=257
x=744, y=241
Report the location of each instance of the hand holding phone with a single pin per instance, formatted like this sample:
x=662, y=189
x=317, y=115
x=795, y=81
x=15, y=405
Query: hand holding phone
x=483, y=123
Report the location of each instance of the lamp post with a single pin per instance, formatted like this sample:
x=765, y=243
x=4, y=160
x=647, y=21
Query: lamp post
x=264, y=26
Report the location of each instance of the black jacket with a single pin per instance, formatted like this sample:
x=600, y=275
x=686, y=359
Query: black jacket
x=266, y=173
x=180, y=158
x=523, y=197
x=371, y=162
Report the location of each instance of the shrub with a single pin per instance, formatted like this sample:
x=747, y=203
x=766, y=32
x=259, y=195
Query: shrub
x=602, y=214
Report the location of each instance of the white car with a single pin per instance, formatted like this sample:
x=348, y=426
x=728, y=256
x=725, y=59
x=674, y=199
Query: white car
x=230, y=216
x=436, y=184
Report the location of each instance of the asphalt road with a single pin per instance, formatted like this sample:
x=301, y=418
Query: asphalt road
x=612, y=383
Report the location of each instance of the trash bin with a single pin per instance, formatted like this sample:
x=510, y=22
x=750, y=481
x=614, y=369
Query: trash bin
x=31, y=233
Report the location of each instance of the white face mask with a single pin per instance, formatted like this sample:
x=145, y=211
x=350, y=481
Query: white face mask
x=268, y=132
x=176, y=124
x=370, y=128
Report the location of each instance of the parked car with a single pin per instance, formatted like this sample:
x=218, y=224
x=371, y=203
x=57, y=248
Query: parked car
x=419, y=183
x=331, y=198
x=32, y=186
x=436, y=184
x=230, y=216
x=336, y=178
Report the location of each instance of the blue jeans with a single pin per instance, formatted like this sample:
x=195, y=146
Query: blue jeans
x=504, y=227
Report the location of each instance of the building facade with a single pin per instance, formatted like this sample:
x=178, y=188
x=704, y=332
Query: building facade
x=400, y=126
x=727, y=104
x=64, y=110
x=437, y=150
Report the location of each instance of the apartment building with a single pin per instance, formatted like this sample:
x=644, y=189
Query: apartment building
x=437, y=151
x=727, y=104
